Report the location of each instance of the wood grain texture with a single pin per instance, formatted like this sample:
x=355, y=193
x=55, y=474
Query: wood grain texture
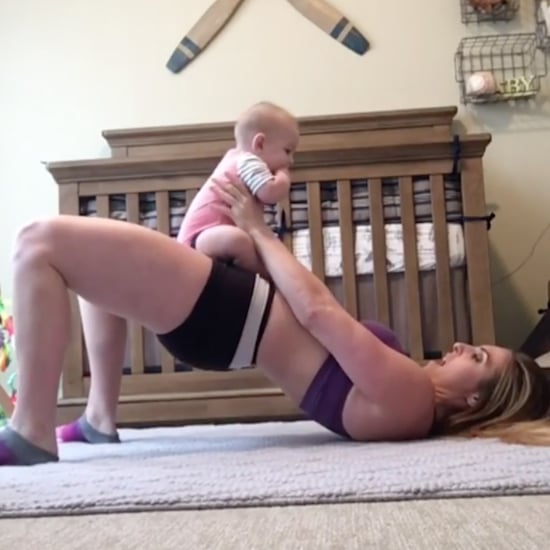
x=6, y=404
x=431, y=121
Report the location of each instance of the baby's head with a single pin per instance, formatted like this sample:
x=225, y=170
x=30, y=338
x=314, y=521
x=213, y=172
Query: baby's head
x=270, y=132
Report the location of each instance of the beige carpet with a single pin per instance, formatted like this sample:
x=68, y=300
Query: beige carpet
x=268, y=464
x=500, y=523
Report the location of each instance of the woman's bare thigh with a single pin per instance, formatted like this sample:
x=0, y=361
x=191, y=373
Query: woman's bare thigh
x=128, y=270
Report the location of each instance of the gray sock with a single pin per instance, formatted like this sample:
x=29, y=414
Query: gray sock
x=15, y=450
x=94, y=436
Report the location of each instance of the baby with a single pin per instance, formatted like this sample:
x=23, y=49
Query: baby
x=266, y=137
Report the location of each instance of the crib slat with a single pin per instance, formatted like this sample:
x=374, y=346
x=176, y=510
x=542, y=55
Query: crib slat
x=162, y=203
x=74, y=366
x=284, y=208
x=134, y=329
x=477, y=252
x=345, y=216
x=6, y=403
x=442, y=269
x=103, y=207
x=379, y=251
x=315, y=229
x=132, y=207
x=414, y=318
x=190, y=195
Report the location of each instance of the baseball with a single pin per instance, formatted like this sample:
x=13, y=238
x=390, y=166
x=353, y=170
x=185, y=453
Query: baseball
x=488, y=6
x=481, y=83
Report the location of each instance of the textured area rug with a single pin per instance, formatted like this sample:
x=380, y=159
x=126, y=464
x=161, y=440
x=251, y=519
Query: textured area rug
x=198, y=467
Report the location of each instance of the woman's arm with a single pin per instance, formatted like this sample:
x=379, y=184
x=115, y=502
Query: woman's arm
x=379, y=372
x=303, y=291
x=398, y=395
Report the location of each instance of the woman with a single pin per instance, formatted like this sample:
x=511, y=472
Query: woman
x=345, y=376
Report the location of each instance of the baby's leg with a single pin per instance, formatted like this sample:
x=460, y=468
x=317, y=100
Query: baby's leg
x=227, y=242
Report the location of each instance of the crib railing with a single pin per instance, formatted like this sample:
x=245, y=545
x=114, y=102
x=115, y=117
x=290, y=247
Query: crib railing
x=380, y=274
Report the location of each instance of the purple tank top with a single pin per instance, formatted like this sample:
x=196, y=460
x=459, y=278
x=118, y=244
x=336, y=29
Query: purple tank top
x=325, y=398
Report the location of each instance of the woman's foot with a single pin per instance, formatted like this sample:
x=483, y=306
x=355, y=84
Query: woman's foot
x=15, y=450
x=83, y=432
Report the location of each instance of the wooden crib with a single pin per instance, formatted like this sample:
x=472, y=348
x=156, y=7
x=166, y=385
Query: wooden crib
x=363, y=186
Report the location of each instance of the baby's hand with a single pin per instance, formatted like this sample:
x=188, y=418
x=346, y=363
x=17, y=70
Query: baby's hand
x=275, y=190
x=283, y=172
x=282, y=178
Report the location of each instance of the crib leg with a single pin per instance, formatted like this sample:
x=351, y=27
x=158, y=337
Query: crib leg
x=5, y=402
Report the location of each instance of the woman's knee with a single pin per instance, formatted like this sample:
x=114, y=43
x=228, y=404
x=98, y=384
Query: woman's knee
x=34, y=240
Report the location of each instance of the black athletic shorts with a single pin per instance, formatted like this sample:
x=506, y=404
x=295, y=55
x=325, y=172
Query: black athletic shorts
x=225, y=328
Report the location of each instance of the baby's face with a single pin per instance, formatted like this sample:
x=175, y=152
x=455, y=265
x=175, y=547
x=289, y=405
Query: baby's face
x=279, y=146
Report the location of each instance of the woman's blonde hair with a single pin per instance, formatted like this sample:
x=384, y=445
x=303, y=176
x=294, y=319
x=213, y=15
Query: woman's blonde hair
x=513, y=406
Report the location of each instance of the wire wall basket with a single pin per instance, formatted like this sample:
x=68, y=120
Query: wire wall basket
x=542, y=17
x=499, y=68
x=478, y=11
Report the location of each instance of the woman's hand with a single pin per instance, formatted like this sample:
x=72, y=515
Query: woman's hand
x=239, y=204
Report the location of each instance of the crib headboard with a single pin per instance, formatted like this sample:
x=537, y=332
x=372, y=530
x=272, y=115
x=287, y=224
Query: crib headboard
x=387, y=208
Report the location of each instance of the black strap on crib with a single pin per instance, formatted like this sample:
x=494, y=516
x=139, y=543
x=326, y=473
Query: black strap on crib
x=487, y=219
x=282, y=228
x=455, y=175
x=457, y=152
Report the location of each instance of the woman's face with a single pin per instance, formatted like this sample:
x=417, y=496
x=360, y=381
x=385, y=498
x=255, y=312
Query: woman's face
x=466, y=369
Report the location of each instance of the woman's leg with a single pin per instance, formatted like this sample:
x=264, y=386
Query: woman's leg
x=127, y=270
x=105, y=336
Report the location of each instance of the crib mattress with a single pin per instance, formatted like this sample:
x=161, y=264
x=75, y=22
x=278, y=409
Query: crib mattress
x=395, y=254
